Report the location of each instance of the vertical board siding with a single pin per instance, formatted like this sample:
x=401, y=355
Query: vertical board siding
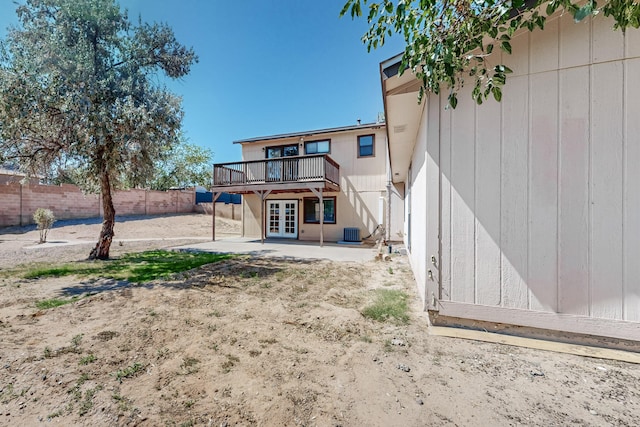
x=419, y=206
x=573, y=241
x=607, y=45
x=487, y=213
x=543, y=192
x=540, y=195
x=543, y=55
x=445, y=199
x=514, y=191
x=631, y=190
x=574, y=44
x=433, y=197
x=463, y=200
x=606, y=190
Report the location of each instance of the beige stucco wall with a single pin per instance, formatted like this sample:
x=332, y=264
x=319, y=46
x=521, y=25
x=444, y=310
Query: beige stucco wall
x=362, y=182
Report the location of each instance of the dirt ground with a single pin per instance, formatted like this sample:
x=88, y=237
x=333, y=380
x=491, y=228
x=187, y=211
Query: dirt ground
x=266, y=342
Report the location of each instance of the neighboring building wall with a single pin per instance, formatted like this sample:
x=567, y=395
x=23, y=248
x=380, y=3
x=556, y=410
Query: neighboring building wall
x=19, y=202
x=362, y=182
x=541, y=192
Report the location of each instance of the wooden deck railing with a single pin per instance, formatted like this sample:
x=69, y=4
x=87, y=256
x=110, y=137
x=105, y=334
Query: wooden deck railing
x=284, y=169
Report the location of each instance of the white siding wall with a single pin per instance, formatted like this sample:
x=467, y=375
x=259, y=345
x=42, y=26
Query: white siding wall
x=418, y=202
x=540, y=194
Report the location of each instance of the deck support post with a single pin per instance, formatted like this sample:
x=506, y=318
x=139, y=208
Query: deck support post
x=263, y=195
x=214, y=197
x=318, y=193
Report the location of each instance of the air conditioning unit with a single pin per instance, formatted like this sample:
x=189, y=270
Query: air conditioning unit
x=351, y=234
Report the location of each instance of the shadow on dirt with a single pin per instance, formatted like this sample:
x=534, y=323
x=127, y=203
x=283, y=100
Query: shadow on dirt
x=227, y=273
x=22, y=229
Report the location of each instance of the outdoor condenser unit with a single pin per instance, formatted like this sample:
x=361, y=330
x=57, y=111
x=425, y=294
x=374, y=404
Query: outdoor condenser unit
x=351, y=234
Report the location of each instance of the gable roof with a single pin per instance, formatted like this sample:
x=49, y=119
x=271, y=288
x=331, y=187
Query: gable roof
x=311, y=133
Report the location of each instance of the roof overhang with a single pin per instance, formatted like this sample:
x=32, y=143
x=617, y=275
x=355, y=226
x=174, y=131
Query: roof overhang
x=402, y=114
x=311, y=133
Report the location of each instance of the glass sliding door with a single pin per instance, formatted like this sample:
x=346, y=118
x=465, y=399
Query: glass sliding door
x=282, y=169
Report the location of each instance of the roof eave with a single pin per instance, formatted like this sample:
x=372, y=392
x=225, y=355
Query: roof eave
x=311, y=133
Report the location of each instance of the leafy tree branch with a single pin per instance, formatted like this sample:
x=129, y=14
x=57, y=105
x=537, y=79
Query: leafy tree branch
x=450, y=40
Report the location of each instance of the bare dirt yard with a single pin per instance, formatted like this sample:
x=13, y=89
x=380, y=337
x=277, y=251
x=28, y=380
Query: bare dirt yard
x=260, y=341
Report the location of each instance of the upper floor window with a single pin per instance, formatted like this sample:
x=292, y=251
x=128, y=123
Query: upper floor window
x=282, y=151
x=317, y=147
x=366, y=146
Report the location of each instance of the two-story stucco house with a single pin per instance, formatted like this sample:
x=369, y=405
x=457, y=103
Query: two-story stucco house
x=313, y=185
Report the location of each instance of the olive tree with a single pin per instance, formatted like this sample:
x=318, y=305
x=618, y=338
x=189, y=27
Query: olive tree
x=184, y=165
x=79, y=83
x=450, y=40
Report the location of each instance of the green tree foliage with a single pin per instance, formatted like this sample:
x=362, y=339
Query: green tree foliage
x=448, y=41
x=181, y=165
x=184, y=165
x=78, y=85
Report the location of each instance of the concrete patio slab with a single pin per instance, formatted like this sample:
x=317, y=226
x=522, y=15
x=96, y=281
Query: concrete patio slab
x=293, y=249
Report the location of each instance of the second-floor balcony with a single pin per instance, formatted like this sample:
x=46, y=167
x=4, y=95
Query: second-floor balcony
x=283, y=174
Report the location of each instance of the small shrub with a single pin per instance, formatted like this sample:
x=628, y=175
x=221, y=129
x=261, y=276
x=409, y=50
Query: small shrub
x=124, y=404
x=129, y=371
x=87, y=402
x=44, y=218
x=229, y=363
x=58, y=413
x=75, y=341
x=190, y=365
x=389, y=305
x=87, y=359
x=7, y=394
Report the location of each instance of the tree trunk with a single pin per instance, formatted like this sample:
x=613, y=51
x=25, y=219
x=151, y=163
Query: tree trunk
x=101, y=250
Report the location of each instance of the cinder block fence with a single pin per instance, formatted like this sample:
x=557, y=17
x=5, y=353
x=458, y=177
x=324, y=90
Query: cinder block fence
x=18, y=202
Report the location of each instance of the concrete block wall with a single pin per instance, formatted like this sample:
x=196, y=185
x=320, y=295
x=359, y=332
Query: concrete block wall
x=66, y=201
x=10, y=204
x=18, y=202
x=223, y=210
x=131, y=201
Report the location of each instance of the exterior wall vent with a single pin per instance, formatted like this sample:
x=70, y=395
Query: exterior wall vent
x=351, y=234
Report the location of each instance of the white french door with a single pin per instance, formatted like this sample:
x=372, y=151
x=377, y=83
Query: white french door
x=282, y=218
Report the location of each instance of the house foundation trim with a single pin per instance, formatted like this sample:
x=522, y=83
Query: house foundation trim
x=538, y=344
x=620, y=329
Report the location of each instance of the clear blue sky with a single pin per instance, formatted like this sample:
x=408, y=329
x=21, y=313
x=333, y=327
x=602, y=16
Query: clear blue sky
x=266, y=66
